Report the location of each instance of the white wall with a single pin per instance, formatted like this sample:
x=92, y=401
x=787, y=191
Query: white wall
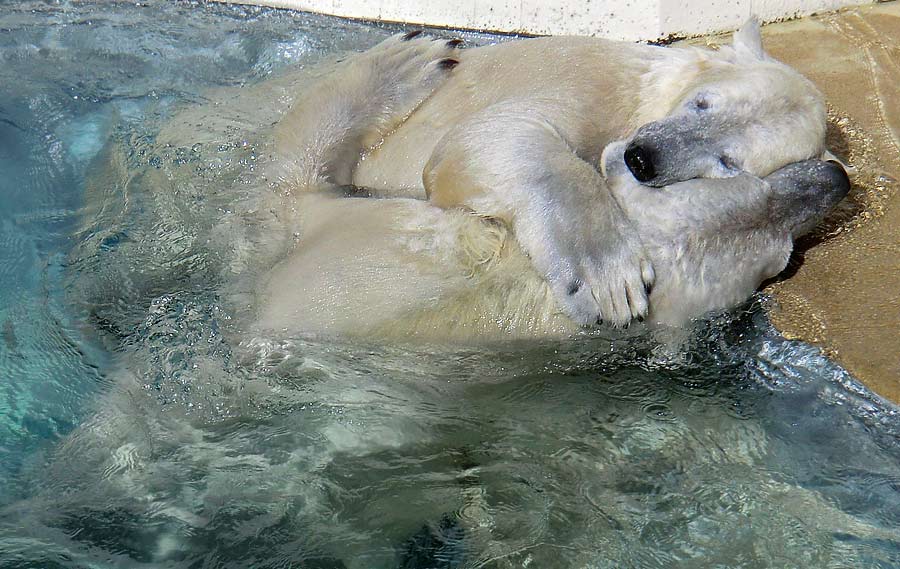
x=619, y=19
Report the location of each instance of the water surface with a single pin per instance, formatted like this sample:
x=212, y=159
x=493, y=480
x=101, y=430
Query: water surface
x=141, y=425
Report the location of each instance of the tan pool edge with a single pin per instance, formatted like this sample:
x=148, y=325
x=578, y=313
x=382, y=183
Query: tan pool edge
x=845, y=292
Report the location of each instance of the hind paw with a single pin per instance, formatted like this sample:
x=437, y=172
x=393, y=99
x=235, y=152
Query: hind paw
x=406, y=69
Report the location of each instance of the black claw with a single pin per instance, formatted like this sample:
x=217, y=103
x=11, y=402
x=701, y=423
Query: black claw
x=448, y=63
x=648, y=288
x=574, y=287
x=640, y=318
x=455, y=42
x=599, y=321
x=411, y=35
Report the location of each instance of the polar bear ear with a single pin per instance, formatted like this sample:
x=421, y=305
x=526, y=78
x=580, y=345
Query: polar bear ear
x=747, y=41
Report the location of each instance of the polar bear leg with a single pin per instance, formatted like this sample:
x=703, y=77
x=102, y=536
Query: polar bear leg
x=354, y=106
x=509, y=162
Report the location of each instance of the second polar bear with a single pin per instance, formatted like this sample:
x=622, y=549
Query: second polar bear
x=515, y=132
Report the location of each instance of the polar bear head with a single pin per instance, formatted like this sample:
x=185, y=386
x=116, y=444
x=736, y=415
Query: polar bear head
x=713, y=241
x=733, y=110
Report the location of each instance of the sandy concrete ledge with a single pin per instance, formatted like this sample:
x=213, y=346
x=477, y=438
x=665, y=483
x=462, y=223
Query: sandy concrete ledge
x=616, y=19
x=843, y=291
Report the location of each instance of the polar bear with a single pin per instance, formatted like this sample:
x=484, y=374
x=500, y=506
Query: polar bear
x=402, y=267
x=515, y=131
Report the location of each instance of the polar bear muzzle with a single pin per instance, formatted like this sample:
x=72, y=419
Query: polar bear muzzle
x=804, y=192
x=682, y=148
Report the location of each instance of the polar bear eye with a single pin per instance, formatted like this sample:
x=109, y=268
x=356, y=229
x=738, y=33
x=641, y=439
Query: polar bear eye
x=701, y=103
x=728, y=163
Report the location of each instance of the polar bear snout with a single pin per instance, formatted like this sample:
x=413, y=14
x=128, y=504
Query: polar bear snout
x=640, y=161
x=804, y=192
x=680, y=148
x=840, y=179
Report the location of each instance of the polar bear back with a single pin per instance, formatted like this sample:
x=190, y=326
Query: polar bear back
x=558, y=74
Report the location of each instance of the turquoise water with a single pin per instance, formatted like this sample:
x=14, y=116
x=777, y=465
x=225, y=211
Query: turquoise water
x=72, y=76
x=140, y=426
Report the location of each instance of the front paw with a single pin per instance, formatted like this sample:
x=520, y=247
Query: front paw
x=610, y=289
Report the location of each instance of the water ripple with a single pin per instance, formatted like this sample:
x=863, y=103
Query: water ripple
x=191, y=443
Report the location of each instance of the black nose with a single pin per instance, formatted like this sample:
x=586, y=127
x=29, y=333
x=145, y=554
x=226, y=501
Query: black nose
x=640, y=161
x=840, y=182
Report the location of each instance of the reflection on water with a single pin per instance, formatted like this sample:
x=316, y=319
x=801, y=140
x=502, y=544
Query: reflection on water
x=141, y=426
x=753, y=451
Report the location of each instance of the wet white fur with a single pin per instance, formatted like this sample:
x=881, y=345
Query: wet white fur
x=515, y=132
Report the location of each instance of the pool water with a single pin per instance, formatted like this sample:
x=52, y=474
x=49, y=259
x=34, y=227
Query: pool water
x=142, y=426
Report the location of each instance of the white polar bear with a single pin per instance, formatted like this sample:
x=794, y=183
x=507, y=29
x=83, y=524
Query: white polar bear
x=515, y=131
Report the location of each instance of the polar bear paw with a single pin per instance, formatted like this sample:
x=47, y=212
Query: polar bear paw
x=408, y=68
x=611, y=289
x=353, y=108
